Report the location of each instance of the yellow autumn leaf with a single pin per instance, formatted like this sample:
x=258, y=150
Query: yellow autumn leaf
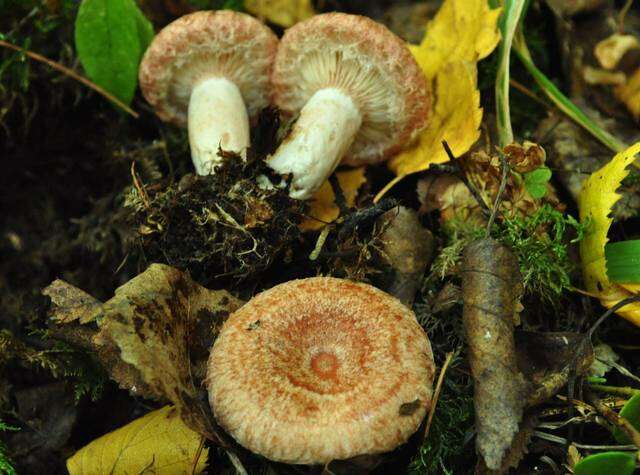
x=158, y=443
x=597, y=197
x=629, y=94
x=461, y=33
x=462, y=30
x=323, y=207
x=281, y=12
x=456, y=118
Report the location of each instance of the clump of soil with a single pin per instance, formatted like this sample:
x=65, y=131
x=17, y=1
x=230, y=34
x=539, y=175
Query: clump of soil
x=234, y=223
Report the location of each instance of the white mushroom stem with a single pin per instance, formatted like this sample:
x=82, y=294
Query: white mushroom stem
x=325, y=130
x=217, y=119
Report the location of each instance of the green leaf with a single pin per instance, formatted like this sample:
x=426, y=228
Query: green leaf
x=536, y=181
x=631, y=412
x=111, y=36
x=603, y=463
x=623, y=261
x=145, y=29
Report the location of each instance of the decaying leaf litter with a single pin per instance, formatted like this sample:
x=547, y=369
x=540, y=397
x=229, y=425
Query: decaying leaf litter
x=120, y=265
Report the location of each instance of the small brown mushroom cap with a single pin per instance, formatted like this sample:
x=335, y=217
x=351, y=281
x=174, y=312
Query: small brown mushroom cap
x=320, y=369
x=204, y=45
x=369, y=63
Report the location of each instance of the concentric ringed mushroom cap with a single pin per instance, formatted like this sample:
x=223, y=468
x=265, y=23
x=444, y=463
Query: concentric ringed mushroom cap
x=203, y=45
x=320, y=369
x=367, y=61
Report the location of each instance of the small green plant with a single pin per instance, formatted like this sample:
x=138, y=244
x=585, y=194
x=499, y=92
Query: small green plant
x=6, y=464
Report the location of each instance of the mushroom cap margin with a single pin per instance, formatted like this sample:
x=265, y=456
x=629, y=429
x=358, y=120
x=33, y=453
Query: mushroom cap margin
x=391, y=119
x=202, y=45
x=318, y=369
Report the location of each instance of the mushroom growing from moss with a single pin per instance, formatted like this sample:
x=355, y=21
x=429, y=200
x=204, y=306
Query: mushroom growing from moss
x=360, y=94
x=210, y=71
x=321, y=369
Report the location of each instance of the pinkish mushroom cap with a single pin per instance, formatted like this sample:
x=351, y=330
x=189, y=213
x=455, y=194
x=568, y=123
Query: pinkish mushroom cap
x=205, y=45
x=367, y=62
x=319, y=369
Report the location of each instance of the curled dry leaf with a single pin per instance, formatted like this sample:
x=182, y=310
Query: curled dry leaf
x=408, y=250
x=154, y=335
x=281, y=12
x=610, y=51
x=163, y=323
x=158, y=443
x=597, y=197
x=491, y=288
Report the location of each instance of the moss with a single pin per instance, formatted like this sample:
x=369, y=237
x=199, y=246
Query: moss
x=449, y=448
x=540, y=241
x=6, y=464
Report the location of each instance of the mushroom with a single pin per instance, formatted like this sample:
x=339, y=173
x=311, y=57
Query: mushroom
x=360, y=94
x=210, y=71
x=320, y=369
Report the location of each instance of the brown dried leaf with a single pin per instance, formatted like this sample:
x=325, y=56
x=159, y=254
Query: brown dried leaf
x=70, y=304
x=548, y=359
x=408, y=249
x=516, y=451
x=163, y=323
x=491, y=287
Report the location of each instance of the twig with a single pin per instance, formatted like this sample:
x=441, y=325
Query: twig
x=561, y=440
x=71, y=73
x=460, y=175
x=614, y=309
x=136, y=182
x=340, y=199
x=436, y=395
x=351, y=221
x=503, y=184
x=617, y=390
x=623, y=424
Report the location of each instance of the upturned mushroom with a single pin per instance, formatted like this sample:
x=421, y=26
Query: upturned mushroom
x=321, y=369
x=360, y=94
x=210, y=71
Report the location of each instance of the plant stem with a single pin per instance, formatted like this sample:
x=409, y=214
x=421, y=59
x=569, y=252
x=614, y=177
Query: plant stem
x=561, y=101
x=617, y=390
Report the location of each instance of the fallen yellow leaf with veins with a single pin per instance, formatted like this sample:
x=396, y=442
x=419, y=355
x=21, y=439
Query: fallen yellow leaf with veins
x=323, y=208
x=158, y=443
x=281, y=12
x=456, y=118
x=462, y=30
x=462, y=33
x=597, y=197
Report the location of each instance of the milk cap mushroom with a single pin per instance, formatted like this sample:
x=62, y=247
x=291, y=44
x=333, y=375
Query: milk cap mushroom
x=360, y=94
x=210, y=71
x=320, y=369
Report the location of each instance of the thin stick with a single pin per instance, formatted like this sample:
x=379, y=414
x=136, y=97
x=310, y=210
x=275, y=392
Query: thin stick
x=615, y=308
x=71, y=73
x=527, y=92
x=463, y=178
x=623, y=424
x=617, y=390
x=436, y=395
x=503, y=184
